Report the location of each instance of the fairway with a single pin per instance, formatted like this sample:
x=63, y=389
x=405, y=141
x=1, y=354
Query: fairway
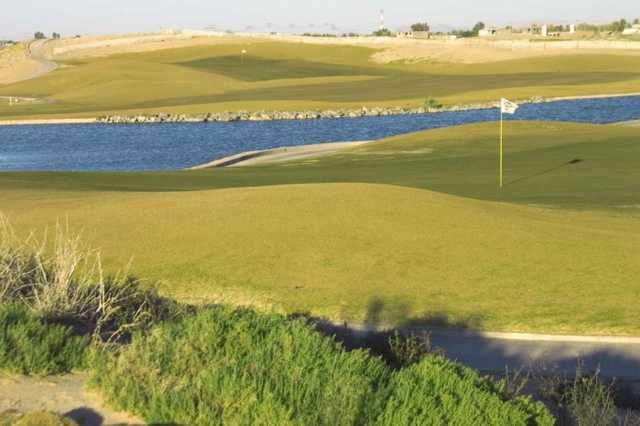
x=293, y=76
x=408, y=230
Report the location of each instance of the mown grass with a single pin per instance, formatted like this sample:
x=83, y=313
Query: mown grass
x=295, y=76
x=333, y=250
x=539, y=167
x=263, y=369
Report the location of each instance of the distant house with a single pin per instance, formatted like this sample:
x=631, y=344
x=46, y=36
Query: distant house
x=488, y=32
x=419, y=35
x=635, y=29
x=536, y=29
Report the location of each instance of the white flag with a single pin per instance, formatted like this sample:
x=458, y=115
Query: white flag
x=508, y=107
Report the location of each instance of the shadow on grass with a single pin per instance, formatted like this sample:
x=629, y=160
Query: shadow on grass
x=553, y=169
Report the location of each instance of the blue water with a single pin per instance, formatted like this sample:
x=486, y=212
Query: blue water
x=98, y=147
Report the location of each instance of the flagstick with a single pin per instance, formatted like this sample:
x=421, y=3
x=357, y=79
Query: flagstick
x=501, y=148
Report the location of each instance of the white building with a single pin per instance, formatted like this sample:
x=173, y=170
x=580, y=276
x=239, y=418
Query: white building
x=488, y=32
x=635, y=29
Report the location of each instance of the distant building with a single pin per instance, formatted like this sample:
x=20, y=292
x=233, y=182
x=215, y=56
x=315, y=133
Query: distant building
x=488, y=32
x=543, y=30
x=418, y=35
x=635, y=29
x=535, y=29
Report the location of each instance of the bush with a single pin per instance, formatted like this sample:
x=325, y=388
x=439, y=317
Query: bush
x=225, y=366
x=437, y=391
x=247, y=367
x=28, y=345
x=411, y=349
x=431, y=104
x=590, y=402
x=65, y=284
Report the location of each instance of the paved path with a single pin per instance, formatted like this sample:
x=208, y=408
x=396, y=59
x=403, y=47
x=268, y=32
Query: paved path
x=37, y=52
x=65, y=395
x=616, y=357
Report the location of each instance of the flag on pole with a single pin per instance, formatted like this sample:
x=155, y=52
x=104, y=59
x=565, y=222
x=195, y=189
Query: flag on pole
x=508, y=107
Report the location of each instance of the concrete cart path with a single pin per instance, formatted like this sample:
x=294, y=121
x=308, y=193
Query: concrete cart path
x=493, y=352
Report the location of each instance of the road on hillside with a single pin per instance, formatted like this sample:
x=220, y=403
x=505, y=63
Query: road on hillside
x=37, y=53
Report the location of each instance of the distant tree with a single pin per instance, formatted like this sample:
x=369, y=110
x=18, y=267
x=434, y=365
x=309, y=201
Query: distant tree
x=636, y=21
x=617, y=26
x=39, y=35
x=384, y=32
x=478, y=27
x=55, y=36
x=421, y=27
x=470, y=33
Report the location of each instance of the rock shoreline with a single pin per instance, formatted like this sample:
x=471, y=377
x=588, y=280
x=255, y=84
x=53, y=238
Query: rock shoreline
x=226, y=117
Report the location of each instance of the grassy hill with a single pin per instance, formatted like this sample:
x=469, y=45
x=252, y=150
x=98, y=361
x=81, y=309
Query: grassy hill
x=375, y=234
x=295, y=76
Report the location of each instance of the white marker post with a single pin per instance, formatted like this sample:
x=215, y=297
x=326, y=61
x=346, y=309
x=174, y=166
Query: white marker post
x=244, y=52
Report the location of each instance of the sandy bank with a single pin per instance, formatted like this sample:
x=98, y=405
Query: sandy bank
x=634, y=123
x=47, y=121
x=60, y=394
x=279, y=155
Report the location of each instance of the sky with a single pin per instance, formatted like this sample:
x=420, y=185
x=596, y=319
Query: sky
x=20, y=19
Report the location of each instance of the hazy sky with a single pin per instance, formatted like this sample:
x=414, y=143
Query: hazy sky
x=20, y=18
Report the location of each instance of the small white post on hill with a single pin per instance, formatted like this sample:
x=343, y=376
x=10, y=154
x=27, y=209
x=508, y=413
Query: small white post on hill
x=244, y=52
x=506, y=107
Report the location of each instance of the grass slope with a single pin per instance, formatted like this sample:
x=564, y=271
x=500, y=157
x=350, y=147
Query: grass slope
x=292, y=76
x=462, y=161
x=346, y=249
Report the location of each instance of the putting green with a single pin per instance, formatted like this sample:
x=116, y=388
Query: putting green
x=296, y=76
x=370, y=234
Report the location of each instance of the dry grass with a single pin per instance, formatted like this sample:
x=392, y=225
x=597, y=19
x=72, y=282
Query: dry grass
x=62, y=280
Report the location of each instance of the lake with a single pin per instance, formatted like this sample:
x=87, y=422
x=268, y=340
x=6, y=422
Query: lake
x=171, y=146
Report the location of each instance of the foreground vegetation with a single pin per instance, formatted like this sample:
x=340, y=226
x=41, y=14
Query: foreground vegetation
x=292, y=76
x=532, y=257
x=223, y=365
x=220, y=365
x=252, y=368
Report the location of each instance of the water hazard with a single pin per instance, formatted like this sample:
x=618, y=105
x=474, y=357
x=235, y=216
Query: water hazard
x=103, y=147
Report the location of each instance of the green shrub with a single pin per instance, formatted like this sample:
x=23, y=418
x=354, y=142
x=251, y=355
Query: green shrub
x=432, y=104
x=225, y=366
x=439, y=392
x=28, y=345
x=239, y=367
